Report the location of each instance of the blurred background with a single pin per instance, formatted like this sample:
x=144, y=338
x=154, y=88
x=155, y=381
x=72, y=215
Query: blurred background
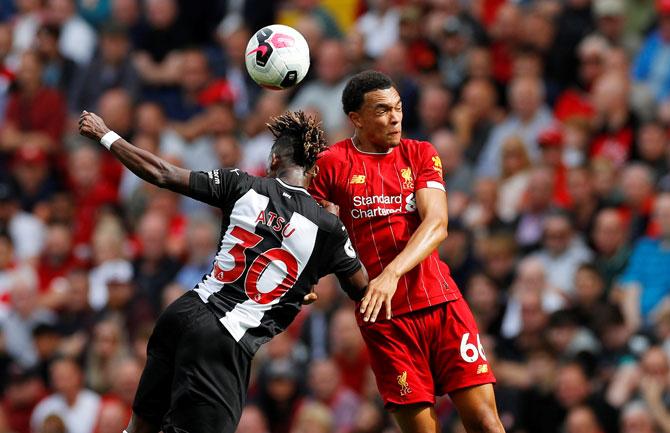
x=552, y=119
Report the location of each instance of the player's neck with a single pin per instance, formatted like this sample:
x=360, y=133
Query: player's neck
x=368, y=146
x=293, y=176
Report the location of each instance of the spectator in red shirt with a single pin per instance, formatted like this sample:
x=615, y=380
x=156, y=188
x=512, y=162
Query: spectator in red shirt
x=348, y=349
x=551, y=154
x=91, y=191
x=576, y=101
x=55, y=262
x=615, y=123
x=35, y=113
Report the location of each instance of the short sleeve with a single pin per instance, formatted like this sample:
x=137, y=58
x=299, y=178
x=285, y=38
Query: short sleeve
x=216, y=187
x=429, y=172
x=344, y=261
x=319, y=186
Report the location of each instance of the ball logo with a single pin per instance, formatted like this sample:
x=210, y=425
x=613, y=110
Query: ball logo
x=281, y=40
x=264, y=50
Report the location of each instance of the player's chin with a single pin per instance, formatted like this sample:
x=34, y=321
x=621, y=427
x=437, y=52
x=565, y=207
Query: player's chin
x=393, y=139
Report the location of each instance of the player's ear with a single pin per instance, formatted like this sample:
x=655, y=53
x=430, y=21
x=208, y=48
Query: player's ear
x=275, y=160
x=312, y=172
x=356, y=119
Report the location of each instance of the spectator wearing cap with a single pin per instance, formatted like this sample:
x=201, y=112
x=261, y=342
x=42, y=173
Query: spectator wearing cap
x=551, y=142
x=453, y=43
x=35, y=113
x=527, y=118
x=59, y=71
x=77, y=406
x=610, y=20
x=77, y=39
x=111, y=67
x=644, y=287
x=26, y=231
x=35, y=185
x=650, y=65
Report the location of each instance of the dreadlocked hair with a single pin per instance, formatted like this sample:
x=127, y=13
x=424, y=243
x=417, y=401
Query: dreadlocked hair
x=298, y=137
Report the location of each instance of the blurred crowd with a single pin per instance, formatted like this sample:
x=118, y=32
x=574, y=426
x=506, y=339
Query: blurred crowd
x=552, y=119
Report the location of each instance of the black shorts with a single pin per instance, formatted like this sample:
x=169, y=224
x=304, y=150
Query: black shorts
x=196, y=376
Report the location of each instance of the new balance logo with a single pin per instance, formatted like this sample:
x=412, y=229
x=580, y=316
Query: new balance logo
x=482, y=368
x=357, y=179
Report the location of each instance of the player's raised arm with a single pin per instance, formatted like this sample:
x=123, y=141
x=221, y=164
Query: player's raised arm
x=145, y=165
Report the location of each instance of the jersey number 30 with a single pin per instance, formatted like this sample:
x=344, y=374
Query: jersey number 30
x=277, y=286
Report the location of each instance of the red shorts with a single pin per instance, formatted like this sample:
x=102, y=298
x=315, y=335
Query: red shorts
x=427, y=353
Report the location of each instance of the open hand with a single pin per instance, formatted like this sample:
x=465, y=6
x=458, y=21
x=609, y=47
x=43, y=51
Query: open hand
x=379, y=294
x=92, y=126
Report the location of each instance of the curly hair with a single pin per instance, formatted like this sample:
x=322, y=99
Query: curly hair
x=360, y=84
x=298, y=137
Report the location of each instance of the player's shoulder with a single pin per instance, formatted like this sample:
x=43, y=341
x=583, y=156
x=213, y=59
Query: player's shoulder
x=335, y=153
x=419, y=146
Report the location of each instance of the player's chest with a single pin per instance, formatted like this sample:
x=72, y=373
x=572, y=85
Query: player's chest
x=379, y=188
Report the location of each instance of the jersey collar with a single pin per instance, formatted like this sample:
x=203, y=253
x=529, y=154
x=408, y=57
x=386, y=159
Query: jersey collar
x=293, y=187
x=369, y=153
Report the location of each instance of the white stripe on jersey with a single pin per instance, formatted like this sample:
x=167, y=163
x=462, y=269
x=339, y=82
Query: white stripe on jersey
x=434, y=184
x=300, y=244
x=244, y=215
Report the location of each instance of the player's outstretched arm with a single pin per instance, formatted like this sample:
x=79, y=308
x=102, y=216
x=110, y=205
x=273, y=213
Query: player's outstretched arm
x=432, y=206
x=144, y=164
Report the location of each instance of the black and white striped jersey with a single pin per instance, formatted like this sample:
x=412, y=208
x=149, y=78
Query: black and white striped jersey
x=276, y=242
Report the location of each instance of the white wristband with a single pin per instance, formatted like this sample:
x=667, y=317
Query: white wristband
x=109, y=138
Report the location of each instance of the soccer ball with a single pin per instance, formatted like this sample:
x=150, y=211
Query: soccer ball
x=277, y=57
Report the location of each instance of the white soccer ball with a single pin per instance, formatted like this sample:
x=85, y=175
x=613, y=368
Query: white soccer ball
x=277, y=57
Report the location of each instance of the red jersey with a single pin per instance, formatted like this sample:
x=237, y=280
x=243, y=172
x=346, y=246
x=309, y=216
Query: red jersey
x=376, y=196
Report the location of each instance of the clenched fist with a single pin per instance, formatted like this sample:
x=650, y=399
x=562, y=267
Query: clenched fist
x=92, y=126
